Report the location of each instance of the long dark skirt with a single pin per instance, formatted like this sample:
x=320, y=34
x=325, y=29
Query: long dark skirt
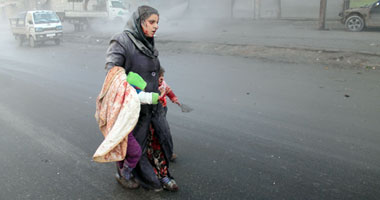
x=151, y=132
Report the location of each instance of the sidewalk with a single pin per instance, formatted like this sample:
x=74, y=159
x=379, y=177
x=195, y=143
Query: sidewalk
x=262, y=33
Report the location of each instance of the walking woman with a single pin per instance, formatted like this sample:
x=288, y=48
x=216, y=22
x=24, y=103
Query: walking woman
x=134, y=50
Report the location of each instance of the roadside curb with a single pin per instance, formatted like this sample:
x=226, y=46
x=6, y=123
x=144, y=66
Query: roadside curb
x=103, y=40
x=299, y=48
x=283, y=54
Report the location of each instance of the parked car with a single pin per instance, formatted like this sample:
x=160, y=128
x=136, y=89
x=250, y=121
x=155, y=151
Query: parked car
x=356, y=19
x=37, y=27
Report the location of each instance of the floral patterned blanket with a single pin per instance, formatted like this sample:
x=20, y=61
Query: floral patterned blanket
x=117, y=113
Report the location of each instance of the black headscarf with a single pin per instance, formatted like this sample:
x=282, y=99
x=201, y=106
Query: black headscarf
x=133, y=27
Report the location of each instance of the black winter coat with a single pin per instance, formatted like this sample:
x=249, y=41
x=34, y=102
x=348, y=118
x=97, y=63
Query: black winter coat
x=127, y=52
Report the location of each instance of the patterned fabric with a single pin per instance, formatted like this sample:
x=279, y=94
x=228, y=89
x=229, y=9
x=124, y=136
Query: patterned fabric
x=117, y=112
x=156, y=156
x=166, y=91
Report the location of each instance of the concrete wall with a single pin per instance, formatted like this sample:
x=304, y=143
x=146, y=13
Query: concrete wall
x=309, y=9
x=62, y=5
x=256, y=9
x=244, y=9
x=210, y=8
x=270, y=9
x=8, y=11
x=10, y=8
x=298, y=9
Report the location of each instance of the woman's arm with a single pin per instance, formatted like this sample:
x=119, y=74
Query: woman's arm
x=115, y=55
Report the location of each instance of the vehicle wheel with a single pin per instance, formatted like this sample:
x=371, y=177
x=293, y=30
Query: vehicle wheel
x=32, y=42
x=355, y=23
x=20, y=40
x=57, y=41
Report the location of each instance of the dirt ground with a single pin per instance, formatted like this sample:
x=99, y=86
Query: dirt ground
x=284, y=41
x=337, y=59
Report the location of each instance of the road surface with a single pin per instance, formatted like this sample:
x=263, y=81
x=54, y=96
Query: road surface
x=260, y=129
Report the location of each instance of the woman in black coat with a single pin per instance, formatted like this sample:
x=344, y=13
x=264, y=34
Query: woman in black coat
x=134, y=50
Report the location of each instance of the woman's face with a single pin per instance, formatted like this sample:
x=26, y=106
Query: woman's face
x=150, y=25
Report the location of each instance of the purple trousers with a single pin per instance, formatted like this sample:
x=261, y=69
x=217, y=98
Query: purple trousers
x=133, y=154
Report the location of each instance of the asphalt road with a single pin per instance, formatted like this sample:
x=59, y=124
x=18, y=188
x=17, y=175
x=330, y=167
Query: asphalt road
x=259, y=129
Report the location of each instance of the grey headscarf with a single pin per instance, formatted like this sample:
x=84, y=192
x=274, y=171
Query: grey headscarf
x=135, y=32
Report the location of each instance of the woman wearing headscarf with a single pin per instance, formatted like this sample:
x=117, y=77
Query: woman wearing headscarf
x=134, y=50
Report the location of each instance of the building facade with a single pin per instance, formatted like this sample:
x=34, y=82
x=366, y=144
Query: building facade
x=263, y=9
x=222, y=9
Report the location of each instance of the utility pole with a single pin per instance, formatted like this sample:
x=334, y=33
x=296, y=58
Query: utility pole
x=232, y=8
x=322, y=15
x=85, y=4
x=257, y=9
x=279, y=9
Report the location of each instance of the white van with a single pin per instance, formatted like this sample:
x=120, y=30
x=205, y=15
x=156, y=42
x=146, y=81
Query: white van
x=37, y=27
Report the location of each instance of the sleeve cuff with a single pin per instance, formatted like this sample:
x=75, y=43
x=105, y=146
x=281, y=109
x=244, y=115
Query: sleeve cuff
x=155, y=98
